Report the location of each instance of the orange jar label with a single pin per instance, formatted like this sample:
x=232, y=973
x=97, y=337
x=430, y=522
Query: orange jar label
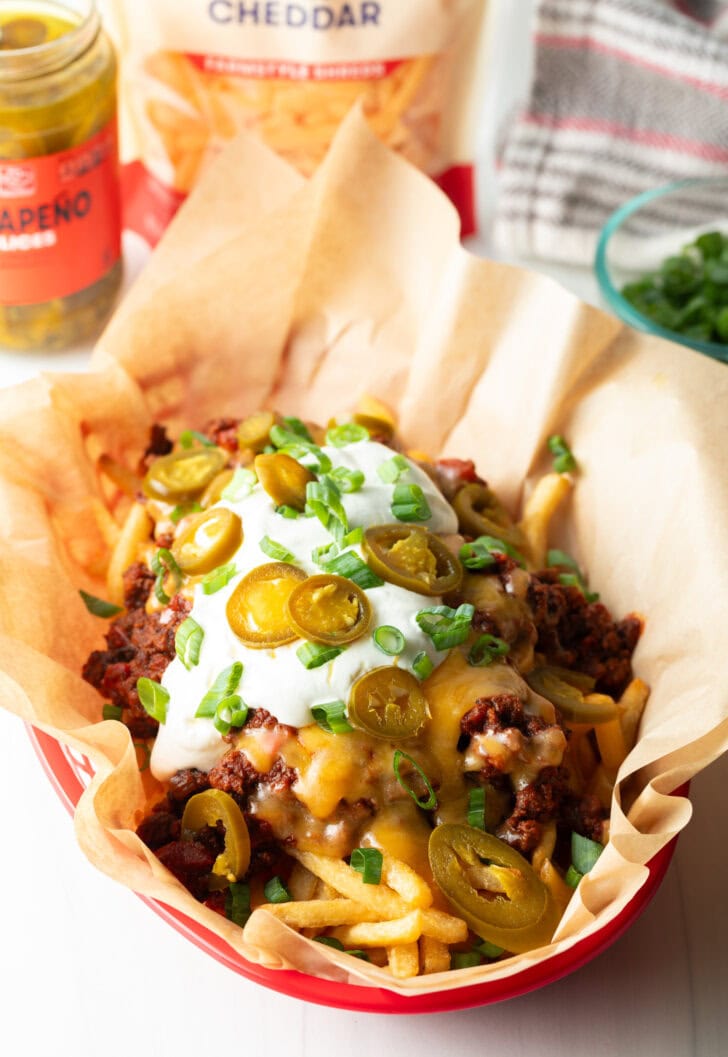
x=60, y=220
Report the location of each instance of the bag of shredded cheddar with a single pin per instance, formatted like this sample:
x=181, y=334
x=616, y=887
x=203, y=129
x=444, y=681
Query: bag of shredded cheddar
x=290, y=70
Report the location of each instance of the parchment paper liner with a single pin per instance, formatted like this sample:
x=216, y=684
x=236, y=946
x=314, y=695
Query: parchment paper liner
x=304, y=296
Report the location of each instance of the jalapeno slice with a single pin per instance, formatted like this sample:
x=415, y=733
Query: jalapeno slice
x=207, y=809
x=257, y=609
x=492, y=887
x=411, y=556
x=254, y=431
x=480, y=513
x=388, y=703
x=214, y=490
x=329, y=609
x=284, y=479
x=183, y=474
x=565, y=689
x=208, y=540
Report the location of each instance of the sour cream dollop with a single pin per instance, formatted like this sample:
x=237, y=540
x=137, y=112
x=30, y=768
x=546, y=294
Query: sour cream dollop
x=275, y=679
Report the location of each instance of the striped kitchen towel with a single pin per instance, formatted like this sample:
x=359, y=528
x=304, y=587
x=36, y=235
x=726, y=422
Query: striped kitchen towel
x=626, y=95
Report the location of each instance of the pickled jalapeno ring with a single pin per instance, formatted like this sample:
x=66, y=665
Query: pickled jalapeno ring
x=214, y=490
x=412, y=557
x=208, y=540
x=183, y=474
x=254, y=431
x=257, y=609
x=284, y=479
x=480, y=513
x=207, y=809
x=388, y=703
x=492, y=887
x=574, y=705
x=329, y=610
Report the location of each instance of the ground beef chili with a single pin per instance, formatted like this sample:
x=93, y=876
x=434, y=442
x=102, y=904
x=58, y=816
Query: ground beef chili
x=138, y=643
x=575, y=633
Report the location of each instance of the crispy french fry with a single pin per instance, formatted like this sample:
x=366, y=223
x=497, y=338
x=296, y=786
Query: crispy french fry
x=406, y=882
x=444, y=927
x=134, y=534
x=545, y=847
x=392, y=933
x=319, y=913
x=541, y=506
x=631, y=705
x=611, y=744
x=434, y=955
x=560, y=891
x=383, y=902
x=404, y=960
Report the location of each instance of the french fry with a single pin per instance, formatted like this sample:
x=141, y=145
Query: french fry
x=319, y=913
x=545, y=847
x=392, y=933
x=383, y=902
x=404, y=960
x=409, y=885
x=444, y=927
x=434, y=955
x=560, y=891
x=540, y=507
x=631, y=705
x=611, y=744
x=134, y=534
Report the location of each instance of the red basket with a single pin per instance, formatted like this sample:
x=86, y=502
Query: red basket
x=65, y=770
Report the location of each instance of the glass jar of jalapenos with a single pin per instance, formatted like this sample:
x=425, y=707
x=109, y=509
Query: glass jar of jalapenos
x=60, y=224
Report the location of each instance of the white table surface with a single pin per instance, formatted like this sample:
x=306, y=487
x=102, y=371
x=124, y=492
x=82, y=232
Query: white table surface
x=660, y=991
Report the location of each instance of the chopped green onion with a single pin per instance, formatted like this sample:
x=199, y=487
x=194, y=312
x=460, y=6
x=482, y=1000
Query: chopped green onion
x=563, y=456
x=422, y=666
x=237, y=903
x=111, y=712
x=331, y=717
x=409, y=503
x=485, y=649
x=349, y=433
x=488, y=949
x=275, y=550
x=98, y=606
x=391, y=470
x=476, y=808
x=312, y=655
x=324, y=554
x=573, y=877
x=240, y=485
x=352, y=567
x=142, y=745
x=348, y=480
x=445, y=626
x=218, y=578
x=389, y=640
x=584, y=852
x=295, y=425
x=323, y=500
x=276, y=892
x=153, y=697
x=224, y=686
x=301, y=448
x=163, y=563
x=188, y=437
x=352, y=538
x=289, y=512
x=465, y=959
x=231, y=712
x=431, y=800
x=481, y=553
x=183, y=510
x=574, y=580
x=367, y=862
x=188, y=642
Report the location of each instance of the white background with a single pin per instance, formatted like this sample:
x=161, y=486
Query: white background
x=86, y=969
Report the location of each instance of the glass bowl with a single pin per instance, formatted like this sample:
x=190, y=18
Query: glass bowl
x=654, y=225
